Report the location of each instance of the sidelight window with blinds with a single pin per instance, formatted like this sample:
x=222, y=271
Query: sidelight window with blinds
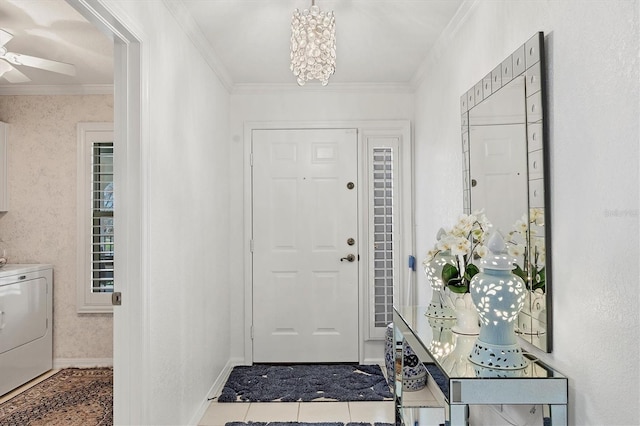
x=384, y=231
x=95, y=217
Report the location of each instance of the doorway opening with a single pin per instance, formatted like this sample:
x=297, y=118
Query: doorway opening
x=130, y=322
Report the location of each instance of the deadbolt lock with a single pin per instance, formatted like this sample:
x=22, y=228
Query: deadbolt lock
x=350, y=185
x=351, y=241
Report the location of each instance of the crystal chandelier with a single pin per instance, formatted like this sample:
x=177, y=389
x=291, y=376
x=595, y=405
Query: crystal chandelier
x=313, y=44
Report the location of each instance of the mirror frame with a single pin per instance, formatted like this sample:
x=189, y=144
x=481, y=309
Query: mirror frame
x=527, y=60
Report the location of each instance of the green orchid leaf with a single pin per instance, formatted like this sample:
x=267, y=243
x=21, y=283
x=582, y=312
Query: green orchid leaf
x=458, y=285
x=470, y=271
x=539, y=279
x=519, y=272
x=541, y=276
x=449, y=272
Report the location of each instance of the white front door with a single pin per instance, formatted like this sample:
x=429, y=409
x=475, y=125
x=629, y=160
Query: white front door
x=305, y=298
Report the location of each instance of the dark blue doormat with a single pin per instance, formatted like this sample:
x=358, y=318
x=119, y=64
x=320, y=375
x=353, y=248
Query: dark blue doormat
x=305, y=383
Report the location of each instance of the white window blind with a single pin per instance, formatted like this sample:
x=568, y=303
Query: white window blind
x=95, y=256
x=102, y=218
x=383, y=231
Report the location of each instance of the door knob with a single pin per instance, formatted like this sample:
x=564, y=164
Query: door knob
x=348, y=258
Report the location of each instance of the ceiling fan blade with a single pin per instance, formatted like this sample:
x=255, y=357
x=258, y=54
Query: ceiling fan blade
x=5, y=37
x=35, y=62
x=11, y=74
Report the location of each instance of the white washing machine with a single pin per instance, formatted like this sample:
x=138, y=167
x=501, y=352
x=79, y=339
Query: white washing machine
x=26, y=323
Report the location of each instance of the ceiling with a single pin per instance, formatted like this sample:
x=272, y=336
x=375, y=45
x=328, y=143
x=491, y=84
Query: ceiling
x=52, y=29
x=378, y=41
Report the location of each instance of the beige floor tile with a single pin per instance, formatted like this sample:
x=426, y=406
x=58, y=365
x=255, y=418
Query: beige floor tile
x=372, y=411
x=324, y=412
x=421, y=397
x=272, y=412
x=220, y=413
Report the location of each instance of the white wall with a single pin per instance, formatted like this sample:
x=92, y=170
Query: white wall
x=593, y=59
x=291, y=105
x=188, y=175
x=40, y=226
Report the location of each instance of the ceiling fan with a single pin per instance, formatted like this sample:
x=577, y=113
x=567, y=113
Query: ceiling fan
x=9, y=59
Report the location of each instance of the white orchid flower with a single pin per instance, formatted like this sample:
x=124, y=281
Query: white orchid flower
x=478, y=234
x=431, y=254
x=537, y=216
x=461, y=247
x=444, y=244
x=522, y=226
x=515, y=250
x=465, y=224
x=482, y=250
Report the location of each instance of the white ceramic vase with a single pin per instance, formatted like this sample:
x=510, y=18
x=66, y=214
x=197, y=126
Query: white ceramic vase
x=538, y=302
x=467, y=320
x=457, y=362
x=439, y=306
x=443, y=338
x=499, y=296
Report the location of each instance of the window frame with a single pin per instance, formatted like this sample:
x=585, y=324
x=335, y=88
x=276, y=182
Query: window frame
x=88, y=135
x=399, y=140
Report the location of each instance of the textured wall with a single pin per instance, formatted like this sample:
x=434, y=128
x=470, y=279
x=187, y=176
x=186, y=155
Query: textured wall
x=593, y=61
x=40, y=226
x=186, y=165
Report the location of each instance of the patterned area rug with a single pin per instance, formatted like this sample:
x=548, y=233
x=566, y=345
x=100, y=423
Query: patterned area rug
x=82, y=397
x=304, y=383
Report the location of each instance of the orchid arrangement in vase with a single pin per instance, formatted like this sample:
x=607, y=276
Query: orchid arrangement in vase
x=465, y=242
x=523, y=242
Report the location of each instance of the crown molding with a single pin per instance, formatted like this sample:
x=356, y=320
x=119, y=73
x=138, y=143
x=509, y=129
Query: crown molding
x=452, y=28
x=256, y=88
x=76, y=89
x=193, y=31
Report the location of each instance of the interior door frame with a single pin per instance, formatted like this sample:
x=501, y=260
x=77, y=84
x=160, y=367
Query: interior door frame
x=401, y=128
x=131, y=325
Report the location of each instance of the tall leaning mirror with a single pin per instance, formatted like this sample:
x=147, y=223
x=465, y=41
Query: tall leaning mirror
x=505, y=172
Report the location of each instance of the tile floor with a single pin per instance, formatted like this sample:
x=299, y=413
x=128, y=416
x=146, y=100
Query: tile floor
x=220, y=413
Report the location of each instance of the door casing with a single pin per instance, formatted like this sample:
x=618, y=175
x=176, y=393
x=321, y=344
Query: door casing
x=401, y=128
x=131, y=139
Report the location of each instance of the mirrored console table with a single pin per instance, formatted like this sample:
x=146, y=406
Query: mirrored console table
x=462, y=383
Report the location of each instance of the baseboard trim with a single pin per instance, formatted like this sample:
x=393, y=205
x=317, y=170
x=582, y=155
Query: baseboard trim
x=216, y=388
x=82, y=362
x=379, y=361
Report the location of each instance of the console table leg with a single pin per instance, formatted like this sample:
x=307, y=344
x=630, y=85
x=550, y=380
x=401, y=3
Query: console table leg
x=558, y=415
x=458, y=415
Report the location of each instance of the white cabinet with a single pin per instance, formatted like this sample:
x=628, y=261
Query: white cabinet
x=4, y=197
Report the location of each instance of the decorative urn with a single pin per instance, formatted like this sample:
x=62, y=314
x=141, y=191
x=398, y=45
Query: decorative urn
x=499, y=296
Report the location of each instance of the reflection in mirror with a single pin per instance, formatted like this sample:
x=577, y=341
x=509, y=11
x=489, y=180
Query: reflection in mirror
x=504, y=172
x=498, y=156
